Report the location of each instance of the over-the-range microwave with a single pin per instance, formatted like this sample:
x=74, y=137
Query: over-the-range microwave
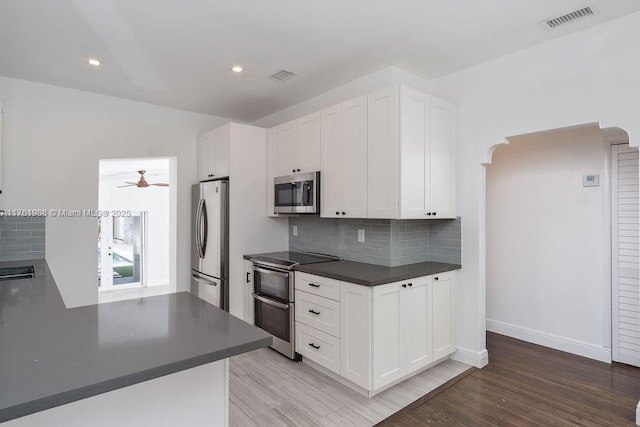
x=297, y=194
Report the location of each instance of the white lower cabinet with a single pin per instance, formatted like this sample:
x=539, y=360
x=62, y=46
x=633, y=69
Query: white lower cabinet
x=443, y=321
x=384, y=333
x=355, y=327
x=322, y=348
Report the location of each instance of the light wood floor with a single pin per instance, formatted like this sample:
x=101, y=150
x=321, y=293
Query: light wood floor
x=267, y=389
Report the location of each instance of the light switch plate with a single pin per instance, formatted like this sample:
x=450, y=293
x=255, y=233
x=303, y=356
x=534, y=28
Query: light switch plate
x=295, y=230
x=591, y=180
x=361, y=235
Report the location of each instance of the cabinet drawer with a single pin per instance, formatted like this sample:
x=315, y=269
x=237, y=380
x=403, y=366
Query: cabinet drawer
x=318, y=285
x=318, y=346
x=318, y=312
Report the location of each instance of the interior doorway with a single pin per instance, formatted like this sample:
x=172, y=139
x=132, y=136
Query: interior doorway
x=135, y=226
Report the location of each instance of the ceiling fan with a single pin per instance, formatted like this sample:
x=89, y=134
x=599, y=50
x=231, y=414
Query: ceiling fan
x=142, y=183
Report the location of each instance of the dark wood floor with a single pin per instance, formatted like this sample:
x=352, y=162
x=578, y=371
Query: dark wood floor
x=525, y=384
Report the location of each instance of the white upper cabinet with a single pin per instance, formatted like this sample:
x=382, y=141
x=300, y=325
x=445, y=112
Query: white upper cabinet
x=427, y=156
x=414, y=153
x=389, y=154
x=331, y=162
x=309, y=143
x=382, y=182
x=442, y=167
x=213, y=151
x=273, y=166
x=344, y=160
x=299, y=145
x=288, y=147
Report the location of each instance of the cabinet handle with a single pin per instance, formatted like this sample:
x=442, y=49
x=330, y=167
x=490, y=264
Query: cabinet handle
x=337, y=213
x=436, y=278
x=248, y=280
x=404, y=285
x=410, y=284
x=428, y=214
x=314, y=285
x=433, y=213
x=344, y=213
x=293, y=170
x=312, y=311
x=297, y=170
x=317, y=347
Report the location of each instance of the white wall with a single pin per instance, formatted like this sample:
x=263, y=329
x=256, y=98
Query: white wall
x=546, y=241
x=154, y=200
x=369, y=83
x=585, y=77
x=53, y=139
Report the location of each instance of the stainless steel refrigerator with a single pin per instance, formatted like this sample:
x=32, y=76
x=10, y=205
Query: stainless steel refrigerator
x=210, y=242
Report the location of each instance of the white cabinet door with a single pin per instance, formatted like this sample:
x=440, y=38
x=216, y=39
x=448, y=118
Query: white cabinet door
x=206, y=157
x=309, y=152
x=416, y=308
x=213, y=152
x=382, y=138
x=414, y=153
x=354, y=158
x=388, y=334
x=248, y=291
x=221, y=140
x=331, y=162
x=273, y=166
x=288, y=147
x=355, y=324
x=441, y=173
x=443, y=315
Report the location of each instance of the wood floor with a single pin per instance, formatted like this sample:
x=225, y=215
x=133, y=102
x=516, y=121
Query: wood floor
x=525, y=384
x=267, y=389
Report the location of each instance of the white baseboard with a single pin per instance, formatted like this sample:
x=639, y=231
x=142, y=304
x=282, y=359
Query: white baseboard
x=479, y=359
x=638, y=414
x=546, y=339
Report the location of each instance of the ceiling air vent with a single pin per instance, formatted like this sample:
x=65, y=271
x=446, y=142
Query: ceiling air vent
x=565, y=19
x=282, y=75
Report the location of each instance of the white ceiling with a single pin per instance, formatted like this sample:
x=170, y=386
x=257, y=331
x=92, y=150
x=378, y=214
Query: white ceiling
x=179, y=53
x=127, y=169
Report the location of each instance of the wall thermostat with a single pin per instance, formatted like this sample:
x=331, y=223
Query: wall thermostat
x=591, y=180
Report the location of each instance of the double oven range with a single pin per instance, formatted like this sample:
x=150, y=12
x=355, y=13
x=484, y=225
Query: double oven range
x=273, y=294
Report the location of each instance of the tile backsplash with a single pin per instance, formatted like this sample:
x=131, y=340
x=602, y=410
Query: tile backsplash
x=387, y=242
x=21, y=238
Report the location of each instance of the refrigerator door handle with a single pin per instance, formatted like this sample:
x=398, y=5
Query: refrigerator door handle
x=199, y=228
x=203, y=280
x=204, y=229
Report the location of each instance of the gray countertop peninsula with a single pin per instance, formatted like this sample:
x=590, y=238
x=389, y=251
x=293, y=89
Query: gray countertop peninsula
x=51, y=355
x=373, y=275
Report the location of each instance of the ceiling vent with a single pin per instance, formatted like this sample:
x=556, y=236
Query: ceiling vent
x=569, y=17
x=282, y=75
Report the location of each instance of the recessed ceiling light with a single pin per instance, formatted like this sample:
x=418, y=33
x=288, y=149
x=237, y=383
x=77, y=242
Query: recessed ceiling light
x=236, y=69
x=94, y=62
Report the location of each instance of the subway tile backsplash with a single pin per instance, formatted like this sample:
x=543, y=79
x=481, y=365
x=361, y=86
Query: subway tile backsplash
x=21, y=238
x=387, y=242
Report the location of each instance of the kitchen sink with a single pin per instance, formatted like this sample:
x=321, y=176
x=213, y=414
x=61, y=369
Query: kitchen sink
x=14, y=273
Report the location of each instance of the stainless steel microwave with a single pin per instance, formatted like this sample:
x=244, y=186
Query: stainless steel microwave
x=297, y=194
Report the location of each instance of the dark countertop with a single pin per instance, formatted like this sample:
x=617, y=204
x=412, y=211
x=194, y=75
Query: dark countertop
x=51, y=355
x=372, y=275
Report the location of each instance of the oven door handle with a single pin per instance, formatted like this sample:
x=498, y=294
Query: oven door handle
x=271, y=302
x=272, y=272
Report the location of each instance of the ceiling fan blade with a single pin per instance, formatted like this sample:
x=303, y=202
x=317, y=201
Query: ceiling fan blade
x=160, y=184
x=129, y=185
